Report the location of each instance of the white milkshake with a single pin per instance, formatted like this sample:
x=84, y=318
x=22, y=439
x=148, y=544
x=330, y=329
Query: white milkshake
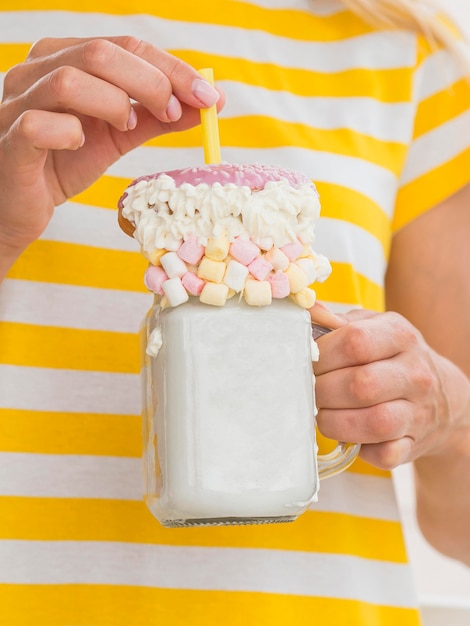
x=228, y=403
x=234, y=414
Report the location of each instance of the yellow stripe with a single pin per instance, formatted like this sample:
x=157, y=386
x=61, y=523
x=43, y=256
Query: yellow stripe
x=104, y=193
x=73, y=264
x=431, y=189
x=106, y=605
x=286, y=23
x=69, y=348
x=41, y=432
x=73, y=519
x=259, y=131
x=346, y=285
x=12, y=54
x=346, y=204
x=385, y=85
x=442, y=107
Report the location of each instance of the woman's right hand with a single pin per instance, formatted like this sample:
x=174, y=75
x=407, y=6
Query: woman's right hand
x=71, y=110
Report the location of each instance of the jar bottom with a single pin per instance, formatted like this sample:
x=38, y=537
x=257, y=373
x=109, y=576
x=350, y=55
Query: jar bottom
x=227, y=521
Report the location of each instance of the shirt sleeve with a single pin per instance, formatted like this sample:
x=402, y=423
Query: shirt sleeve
x=438, y=159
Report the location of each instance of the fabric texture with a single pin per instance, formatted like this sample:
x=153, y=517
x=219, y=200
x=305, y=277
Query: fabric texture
x=381, y=123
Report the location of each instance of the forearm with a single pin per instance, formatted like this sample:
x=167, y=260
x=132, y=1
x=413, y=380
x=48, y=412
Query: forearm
x=443, y=478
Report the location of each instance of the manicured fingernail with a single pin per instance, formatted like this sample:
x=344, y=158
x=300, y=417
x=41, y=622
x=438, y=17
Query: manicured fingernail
x=174, y=110
x=204, y=92
x=82, y=141
x=132, y=121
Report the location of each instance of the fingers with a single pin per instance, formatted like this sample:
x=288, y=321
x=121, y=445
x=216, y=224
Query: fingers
x=363, y=341
x=37, y=131
x=134, y=69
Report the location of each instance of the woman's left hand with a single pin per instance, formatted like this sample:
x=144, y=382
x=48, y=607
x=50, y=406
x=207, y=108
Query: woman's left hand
x=380, y=384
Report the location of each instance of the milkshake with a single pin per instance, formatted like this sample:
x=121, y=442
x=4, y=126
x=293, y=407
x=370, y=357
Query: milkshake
x=228, y=404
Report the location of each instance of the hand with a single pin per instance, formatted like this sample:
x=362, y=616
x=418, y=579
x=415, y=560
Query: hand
x=72, y=109
x=379, y=384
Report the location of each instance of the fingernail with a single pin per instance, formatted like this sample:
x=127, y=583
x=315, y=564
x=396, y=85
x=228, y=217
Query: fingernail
x=204, y=92
x=174, y=110
x=82, y=141
x=132, y=121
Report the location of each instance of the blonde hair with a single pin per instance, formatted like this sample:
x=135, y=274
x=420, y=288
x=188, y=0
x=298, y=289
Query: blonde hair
x=416, y=15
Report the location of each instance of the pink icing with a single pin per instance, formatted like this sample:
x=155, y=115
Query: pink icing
x=254, y=176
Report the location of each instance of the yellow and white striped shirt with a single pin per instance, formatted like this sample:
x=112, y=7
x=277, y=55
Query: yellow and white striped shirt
x=381, y=123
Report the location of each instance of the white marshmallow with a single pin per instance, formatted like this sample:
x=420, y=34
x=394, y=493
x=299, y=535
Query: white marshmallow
x=175, y=292
x=235, y=275
x=308, y=266
x=173, y=265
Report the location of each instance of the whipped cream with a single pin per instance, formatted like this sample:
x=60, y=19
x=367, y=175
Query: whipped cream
x=165, y=213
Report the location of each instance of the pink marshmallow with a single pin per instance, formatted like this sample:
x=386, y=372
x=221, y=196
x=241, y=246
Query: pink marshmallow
x=244, y=251
x=192, y=283
x=280, y=287
x=154, y=278
x=293, y=250
x=190, y=250
x=260, y=268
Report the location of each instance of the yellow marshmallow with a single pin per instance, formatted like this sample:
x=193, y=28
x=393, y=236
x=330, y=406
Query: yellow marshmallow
x=298, y=279
x=155, y=255
x=217, y=248
x=211, y=270
x=257, y=292
x=304, y=298
x=214, y=294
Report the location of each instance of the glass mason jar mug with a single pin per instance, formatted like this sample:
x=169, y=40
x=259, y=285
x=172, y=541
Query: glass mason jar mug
x=228, y=414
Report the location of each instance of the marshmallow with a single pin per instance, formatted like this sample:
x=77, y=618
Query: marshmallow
x=214, y=294
x=155, y=255
x=277, y=258
x=293, y=250
x=154, y=278
x=257, y=293
x=235, y=275
x=304, y=298
x=217, y=248
x=175, y=292
x=192, y=283
x=308, y=266
x=173, y=265
x=210, y=270
x=191, y=251
x=244, y=251
x=260, y=268
x=280, y=287
x=297, y=278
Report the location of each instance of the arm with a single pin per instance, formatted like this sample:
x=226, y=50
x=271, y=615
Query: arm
x=56, y=140
x=428, y=282
x=398, y=382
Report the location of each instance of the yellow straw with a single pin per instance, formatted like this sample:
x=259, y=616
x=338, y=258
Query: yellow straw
x=210, y=126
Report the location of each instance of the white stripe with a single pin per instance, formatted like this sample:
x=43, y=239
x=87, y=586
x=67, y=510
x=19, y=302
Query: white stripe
x=319, y=7
x=437, y=147
x=373, y=181
x=383, y=121
x=89, y=226
x=66, y=306
x=334, y=239
x=82, y=476
x=171, y=567
x=437, y=72
x=42, y=389
x=376, y=50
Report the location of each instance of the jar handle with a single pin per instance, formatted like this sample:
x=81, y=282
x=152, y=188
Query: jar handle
x=344, y=455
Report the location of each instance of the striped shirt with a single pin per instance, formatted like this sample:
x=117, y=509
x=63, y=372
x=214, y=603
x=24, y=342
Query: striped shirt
x=381, y=123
